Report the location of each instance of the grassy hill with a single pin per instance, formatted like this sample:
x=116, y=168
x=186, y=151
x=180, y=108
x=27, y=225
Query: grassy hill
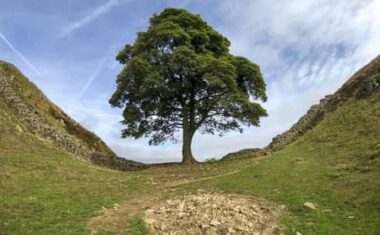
x=54, y=116
x=38, y=115
x=335, y=165
x=44, y=190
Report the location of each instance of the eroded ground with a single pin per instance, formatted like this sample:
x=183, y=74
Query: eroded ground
x=168, y=210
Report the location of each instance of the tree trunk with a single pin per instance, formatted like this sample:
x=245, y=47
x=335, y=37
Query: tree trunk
x=188, y=133
x=187, y=155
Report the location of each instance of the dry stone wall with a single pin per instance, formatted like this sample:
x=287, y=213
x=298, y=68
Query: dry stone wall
x=62, y=140
x=363, y=83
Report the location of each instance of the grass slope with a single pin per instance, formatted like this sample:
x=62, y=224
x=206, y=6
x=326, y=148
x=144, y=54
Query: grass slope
x=56, y=118
x=336, y=166
x=43, y=190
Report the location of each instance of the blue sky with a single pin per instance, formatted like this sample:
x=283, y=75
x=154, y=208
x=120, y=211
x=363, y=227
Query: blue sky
x=306, y=50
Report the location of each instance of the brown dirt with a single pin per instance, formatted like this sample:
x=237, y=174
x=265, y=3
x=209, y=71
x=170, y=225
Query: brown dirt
x=116, y=218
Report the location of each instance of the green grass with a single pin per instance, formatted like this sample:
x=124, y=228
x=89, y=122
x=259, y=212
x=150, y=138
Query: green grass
x=138, y=226
x=43, y=190
x=35, y=99
x=336, y=166
x=46, y=192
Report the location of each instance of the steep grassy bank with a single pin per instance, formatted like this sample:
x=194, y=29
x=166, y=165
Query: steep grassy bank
x=43, y=190
x=336, y=166
x=53, y=115
x=44, y=119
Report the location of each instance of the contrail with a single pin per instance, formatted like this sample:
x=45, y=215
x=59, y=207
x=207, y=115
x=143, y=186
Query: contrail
x=88, y=18
x=95, y=74
x=19, y=54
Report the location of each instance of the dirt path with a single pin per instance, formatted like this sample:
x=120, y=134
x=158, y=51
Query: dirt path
x=173, y=184
x=117, y=218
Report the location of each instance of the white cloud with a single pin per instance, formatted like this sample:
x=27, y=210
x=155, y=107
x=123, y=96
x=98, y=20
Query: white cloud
x=19, y=54
x=306, y=49
x=69, y=29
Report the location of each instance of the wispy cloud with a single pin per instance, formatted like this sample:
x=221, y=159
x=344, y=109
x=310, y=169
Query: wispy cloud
x=306, y=52
x=88, y=18
x=19, y=54
x=306, y=49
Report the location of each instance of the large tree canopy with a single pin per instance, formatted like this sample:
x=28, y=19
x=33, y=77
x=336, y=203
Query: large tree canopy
x=179, y=74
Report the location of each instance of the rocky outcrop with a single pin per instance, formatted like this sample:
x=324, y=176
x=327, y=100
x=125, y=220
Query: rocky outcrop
x=363, y=83
x=41, y=127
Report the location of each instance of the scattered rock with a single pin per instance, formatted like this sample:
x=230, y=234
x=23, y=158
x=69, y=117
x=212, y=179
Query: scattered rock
x=19, y=129
x=181, y=206
x=298, y=233
x=149, y=211
x=231, y=230
x=150, y=221
x=212, y=214
x=351, y=217
x=163, y=227
x=172, y=202
x=214, y=222
x=283, y=207
x=239, y=228
x=180, y=215
x=309, y=206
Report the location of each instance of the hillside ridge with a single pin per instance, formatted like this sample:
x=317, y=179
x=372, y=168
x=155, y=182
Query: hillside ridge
x=53, y=125
x=362, y=83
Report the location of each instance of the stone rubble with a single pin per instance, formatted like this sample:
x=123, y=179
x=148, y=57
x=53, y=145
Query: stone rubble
x=211, y=213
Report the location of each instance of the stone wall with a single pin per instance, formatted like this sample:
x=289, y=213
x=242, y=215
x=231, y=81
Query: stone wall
x=41, y=127
x=361, y=84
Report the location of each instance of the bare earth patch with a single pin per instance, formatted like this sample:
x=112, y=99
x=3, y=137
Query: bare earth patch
x=211, y=213
x=116, y=218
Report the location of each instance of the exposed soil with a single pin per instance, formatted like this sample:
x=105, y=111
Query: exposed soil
x=202, y=213
x=116, y=218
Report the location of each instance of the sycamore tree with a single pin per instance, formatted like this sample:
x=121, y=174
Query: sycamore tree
x=180, y=75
